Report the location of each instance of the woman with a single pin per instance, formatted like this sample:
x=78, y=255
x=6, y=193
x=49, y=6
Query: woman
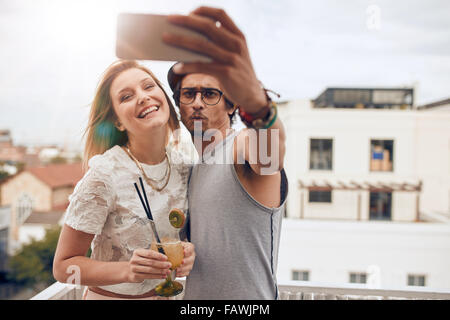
x=130, y=125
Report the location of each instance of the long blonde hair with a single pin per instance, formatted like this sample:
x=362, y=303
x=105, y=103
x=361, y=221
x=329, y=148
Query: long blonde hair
x=101, y=132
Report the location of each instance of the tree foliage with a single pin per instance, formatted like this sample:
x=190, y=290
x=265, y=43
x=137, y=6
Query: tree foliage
x=58, y=160
x=33, y=263
x=3, y=175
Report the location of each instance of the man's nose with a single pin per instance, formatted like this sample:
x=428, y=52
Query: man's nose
x=198, y=102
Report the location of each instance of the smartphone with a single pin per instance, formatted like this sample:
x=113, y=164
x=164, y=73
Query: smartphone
x=139, y=37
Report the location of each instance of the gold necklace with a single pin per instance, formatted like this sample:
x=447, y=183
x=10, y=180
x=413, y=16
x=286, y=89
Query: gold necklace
x=140, y=167
x=147, y=179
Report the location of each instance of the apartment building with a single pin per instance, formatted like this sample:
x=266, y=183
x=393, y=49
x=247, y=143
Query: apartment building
x=369, y=189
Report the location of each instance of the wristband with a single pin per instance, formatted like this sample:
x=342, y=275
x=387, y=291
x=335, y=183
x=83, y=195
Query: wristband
x=264, y=123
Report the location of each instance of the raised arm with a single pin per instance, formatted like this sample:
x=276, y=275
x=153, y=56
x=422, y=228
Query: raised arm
x=232, y=66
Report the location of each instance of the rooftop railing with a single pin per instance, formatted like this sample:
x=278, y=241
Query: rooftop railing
x=292, y=290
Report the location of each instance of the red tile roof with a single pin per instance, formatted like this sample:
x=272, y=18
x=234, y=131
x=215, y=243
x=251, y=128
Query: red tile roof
x=58, y=175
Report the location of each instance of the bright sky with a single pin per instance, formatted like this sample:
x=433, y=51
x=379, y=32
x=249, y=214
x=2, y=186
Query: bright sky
x=53, y=52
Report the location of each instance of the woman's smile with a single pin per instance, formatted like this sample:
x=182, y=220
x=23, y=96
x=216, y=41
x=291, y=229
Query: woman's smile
x=147, y=111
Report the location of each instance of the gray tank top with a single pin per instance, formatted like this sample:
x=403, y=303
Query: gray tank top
x=236, y=238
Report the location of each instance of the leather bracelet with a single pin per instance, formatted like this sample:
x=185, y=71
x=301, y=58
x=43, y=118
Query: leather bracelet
x=264, y=123
x=253, y=120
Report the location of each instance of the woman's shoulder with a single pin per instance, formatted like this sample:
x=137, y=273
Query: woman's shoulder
x=106, y=164
x=103, y=159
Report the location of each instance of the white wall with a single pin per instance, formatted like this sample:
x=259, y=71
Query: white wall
x=27, y=232
x=404, y=206
x=334, y=210
x=433, y=159
x=329, y=242
x=421, y=152
x=332, y=249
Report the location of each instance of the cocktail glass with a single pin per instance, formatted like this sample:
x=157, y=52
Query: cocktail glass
x=174, y=251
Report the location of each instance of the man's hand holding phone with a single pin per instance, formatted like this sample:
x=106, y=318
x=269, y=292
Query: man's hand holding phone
x=227, y=47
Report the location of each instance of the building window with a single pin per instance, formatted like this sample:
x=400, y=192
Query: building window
x=416, y=280
x=321, y=196
x=380, y=205
x=356, y=277
x=381, y=155
x=24, y=208
x=300, y=275
x=321, y=154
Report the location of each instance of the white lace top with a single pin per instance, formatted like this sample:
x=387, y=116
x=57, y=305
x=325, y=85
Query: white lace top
x=105, y=203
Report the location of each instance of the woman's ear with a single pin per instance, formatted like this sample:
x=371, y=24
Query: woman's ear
x=119, y=126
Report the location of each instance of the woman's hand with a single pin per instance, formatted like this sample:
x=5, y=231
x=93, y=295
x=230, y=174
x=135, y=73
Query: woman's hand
x=147, y=264
x=188, y=260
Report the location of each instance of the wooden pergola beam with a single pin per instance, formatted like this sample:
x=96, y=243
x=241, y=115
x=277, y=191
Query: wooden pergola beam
x=361, y=186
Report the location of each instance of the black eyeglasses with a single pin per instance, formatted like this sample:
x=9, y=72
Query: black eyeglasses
x=210, y=96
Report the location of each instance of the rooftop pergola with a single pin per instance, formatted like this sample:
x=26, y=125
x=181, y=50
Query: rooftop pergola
x=360, y=186
x=351, y=185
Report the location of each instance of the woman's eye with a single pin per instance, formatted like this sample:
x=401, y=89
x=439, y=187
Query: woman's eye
x=149, y=86
x=125, y=98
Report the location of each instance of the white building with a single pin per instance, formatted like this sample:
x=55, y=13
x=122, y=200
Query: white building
x=359, y=182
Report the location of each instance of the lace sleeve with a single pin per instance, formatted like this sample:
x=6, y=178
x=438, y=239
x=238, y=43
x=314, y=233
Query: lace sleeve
x=90, y=203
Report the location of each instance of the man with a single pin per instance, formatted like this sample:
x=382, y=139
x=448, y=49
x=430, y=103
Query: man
x=235, y=206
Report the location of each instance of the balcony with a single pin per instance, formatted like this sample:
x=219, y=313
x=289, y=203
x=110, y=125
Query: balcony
x=293, y=290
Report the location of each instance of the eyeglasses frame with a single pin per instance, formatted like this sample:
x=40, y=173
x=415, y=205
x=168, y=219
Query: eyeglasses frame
x=200, y=90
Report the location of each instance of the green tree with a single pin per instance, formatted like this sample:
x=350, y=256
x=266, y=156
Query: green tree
x=58, y=160
x=33, y=264
x=20, y=166
x=3, y=175
x=77, y=158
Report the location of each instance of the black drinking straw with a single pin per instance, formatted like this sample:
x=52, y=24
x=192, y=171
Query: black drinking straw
x=147, y=210
x=142, y=201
